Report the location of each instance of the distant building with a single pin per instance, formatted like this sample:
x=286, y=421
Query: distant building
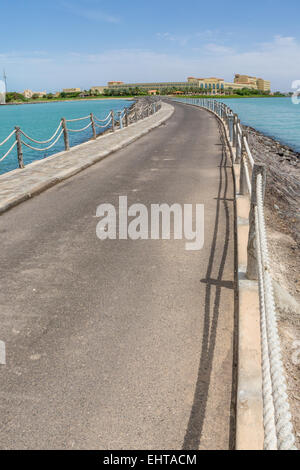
x=253, y=82
x=98, y=89
x=115, y=83
x=29, y=94
x=263, y=85
x=212, y=85
x=71, y=90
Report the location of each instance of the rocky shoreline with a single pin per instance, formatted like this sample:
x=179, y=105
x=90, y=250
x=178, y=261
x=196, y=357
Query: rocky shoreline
x=282, y=212
x=283, y=176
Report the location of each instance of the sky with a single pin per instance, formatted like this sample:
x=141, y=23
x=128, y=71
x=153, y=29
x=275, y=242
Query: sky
x=54, y=44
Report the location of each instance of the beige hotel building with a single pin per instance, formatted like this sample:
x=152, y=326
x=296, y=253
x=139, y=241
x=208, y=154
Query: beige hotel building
x=212, y=85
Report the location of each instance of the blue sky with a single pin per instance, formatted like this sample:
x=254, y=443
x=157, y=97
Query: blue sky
x=49, y=45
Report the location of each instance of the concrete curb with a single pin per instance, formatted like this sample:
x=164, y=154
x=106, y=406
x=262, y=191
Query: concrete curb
x=62, y=174
x=249, y=408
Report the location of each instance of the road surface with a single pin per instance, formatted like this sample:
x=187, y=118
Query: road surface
x=122, y=344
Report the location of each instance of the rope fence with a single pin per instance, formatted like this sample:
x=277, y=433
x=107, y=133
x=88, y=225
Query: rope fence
x=115, y=119
x=278, y=428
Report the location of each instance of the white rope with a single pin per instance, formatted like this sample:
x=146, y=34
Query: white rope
x=46, y=148
x=78, y=119
x=284, y=428
x=80, y=130
x=107, y=124
x=239, y=141
x=7, y=138
x=42, y=141
x=270, y=442
x=246, y=169
x=8, y=152
x=248, y=152
x=103, y=120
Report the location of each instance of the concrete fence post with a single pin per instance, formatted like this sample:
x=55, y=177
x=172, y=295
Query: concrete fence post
x=93, y=126
x=126, y=117
x=112, y=120
x=66, y=135
x=19, y=148
x=252, y=271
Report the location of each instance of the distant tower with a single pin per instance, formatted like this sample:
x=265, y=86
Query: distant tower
x=3, y=88
x=5, y=80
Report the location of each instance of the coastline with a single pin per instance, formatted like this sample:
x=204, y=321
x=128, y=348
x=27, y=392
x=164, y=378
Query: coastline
x=132, y=98
x=283, y=173
x=279, y=146
x=19, y=103
x=228, y=97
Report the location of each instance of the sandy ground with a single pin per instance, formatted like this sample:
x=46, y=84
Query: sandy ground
x=283, y=226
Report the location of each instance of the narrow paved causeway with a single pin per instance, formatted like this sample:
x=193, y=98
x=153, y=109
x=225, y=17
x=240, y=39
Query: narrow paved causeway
x=122, y=344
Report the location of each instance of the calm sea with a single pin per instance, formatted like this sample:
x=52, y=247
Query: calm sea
x=275, y=117
x=40, y=121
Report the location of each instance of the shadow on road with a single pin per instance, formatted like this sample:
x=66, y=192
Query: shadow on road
x=194, y=430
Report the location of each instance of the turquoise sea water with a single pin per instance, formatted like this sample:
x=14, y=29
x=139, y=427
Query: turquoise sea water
x=40, y=121
x=275, y=117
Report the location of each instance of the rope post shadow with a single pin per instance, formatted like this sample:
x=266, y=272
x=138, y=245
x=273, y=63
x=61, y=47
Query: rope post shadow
x=252, y=271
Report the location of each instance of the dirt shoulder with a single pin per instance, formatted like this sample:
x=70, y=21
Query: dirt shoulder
x=282, y=211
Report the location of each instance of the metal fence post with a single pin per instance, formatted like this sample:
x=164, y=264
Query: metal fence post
x=93, y=126
x=112, y=120
x=252, y=271
x=19, y=147
x=230, y=126
x=234, y=139
x=66, y=135
x=243, y=183
x=238, y=146
x=126, y=117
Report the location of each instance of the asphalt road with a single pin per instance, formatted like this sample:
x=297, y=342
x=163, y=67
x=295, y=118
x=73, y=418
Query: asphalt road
x=122, y=344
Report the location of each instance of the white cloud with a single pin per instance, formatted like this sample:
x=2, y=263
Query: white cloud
x=181, y=40
x=90, y=13
x=218, y=49
x=276, y=60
